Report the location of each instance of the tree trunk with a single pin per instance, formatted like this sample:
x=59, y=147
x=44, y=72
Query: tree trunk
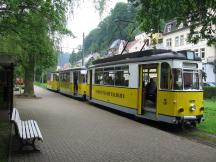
x=29, y=77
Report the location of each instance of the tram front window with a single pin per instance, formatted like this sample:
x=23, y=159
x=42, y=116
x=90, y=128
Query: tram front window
x=191, y=79
x=177, y=79
x=188, y=78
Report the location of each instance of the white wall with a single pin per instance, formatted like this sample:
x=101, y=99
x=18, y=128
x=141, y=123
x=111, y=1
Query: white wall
x=209, y=70
x=210, y=51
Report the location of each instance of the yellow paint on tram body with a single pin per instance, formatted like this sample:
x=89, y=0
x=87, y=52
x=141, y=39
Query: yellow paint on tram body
x=117, y=95
x=82, y=89
x=54, y=85
x=69, y=88
x=169, y=103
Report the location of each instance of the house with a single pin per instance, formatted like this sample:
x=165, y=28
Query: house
x=142, y=41
x=87, y=60
x=175, y=38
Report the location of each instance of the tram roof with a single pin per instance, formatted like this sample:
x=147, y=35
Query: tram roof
x=144, y=56
x=71, y=69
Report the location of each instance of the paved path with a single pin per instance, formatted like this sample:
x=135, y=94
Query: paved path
x=76, y=131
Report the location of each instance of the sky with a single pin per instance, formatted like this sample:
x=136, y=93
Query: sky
x=84, y=19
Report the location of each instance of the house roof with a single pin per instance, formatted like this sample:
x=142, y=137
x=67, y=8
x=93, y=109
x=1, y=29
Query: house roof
x=171, y=27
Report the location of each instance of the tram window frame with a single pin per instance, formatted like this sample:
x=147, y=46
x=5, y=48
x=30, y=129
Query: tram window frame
x=113, y=70
x=109, y=76
x=176, y=75
x=55, y=77
x=66, y=77
x=98, y=73
x=82, y=78
x=126, y=74
x=190, y=73
x=61, y=77
x=165, y=78
x=49, y=76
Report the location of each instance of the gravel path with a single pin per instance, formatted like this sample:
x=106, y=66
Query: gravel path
x=76, y=131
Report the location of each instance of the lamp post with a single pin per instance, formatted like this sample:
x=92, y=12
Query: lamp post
x=83, y=50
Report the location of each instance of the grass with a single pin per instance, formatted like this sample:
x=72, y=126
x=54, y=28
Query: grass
x=4, y=141
x=43, y=85
x=209, y=125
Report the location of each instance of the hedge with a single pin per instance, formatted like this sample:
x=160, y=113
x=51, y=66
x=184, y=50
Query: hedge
x=209, y=92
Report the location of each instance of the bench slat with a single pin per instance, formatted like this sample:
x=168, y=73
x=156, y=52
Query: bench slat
x=14, y=114
x=27, y=130
x=34, y=129
x=30, y=129
x=38, y=130
x=23, y=131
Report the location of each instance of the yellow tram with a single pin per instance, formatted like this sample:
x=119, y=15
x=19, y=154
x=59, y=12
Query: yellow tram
x=53, y=81
x=159, y=85
x=72, y=82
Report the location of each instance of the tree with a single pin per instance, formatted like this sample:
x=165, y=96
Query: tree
x=193, y=14
x=111, y=29
x=34, y=27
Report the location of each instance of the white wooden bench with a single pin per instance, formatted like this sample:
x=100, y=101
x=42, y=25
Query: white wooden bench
x=27, y=131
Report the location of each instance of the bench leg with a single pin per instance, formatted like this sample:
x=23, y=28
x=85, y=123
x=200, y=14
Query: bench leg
x=28, y=143
x=33, y=145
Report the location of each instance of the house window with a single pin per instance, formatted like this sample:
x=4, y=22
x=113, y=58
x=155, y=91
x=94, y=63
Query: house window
x=169, y=42
x=181, y=40
x=169, y=26
x=177, y=41
x=196, y=51
x=202, y=53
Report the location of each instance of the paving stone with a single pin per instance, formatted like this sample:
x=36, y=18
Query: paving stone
x=77, y=131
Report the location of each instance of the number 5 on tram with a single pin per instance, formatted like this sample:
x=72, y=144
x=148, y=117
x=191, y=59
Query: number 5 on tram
x=158, y=85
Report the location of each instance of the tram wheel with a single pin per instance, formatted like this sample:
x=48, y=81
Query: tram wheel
x=181, y=126
x=193, y=124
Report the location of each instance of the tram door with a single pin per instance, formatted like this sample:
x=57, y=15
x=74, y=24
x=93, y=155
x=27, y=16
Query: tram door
x=149, y=87
x=75, y=77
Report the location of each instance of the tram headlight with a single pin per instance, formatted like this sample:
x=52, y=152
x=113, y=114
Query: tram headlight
x=181, y=110
x=192, y=107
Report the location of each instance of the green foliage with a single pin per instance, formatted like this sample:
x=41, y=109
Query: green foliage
x=30, y=30
x=193, y=13
x=74, y=57
x=42, y=85
x=209, y=125
x=110, y=29
x=209, y=92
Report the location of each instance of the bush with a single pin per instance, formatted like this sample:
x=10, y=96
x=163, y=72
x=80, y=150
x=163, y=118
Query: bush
x=209, y=92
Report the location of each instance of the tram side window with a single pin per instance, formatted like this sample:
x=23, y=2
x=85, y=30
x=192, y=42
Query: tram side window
x=177, y=79
x=55, y=77
x=98, y=76
x=164, y=76
x=108, y=76
x=122, y=76
x=49, y=77
x=61, y=77
x=68, y=77
x=81, y=78
x=65, y=77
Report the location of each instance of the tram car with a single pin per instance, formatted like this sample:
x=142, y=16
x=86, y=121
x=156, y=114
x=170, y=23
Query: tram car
x=159, y=85
x=53, y=81
x=72, y=82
